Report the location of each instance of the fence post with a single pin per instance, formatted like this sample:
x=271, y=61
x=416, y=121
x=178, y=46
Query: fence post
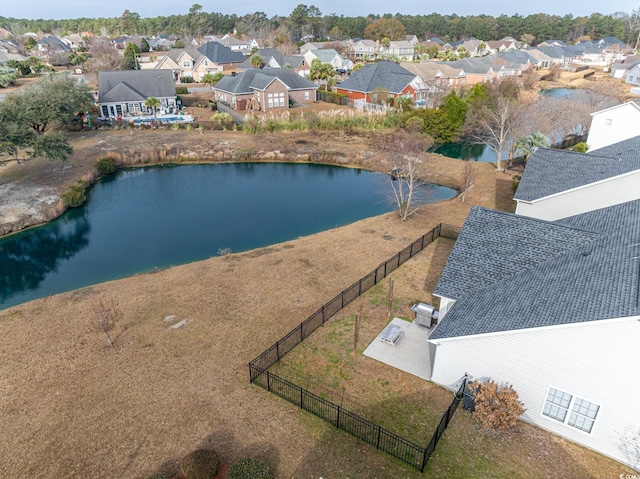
x=278, y=349
x=425, y=458
x=378, y=441
x=301, y=395
x=338, y=418
x=323, y=319
x=360, y=287
x=301, y=333
x=268, y=382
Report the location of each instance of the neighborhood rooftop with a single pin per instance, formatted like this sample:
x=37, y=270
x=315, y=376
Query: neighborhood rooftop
x=590, y=276
x=572, y=170
x=384, y=74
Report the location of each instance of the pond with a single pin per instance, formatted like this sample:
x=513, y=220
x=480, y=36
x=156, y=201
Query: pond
x=467, y=151
x=140, y=220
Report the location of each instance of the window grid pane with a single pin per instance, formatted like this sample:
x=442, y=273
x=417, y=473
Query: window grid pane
x=557, y=404
x=583, y=415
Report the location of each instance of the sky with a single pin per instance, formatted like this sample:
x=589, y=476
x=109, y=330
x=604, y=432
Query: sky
x=66, y=9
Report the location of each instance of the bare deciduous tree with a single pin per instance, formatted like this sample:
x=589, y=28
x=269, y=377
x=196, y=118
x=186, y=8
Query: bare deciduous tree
x=105, y=313
x=468, y=178
x=629, y=444
x=407, y=149
x=104, y=57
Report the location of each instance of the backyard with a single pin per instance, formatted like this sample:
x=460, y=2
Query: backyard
x=75, y=407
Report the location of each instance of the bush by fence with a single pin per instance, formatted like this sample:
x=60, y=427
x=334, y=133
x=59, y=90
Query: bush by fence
x=331, y=97
x=403, y=449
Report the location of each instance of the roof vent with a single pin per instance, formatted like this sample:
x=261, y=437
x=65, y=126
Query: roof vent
x=586, y=253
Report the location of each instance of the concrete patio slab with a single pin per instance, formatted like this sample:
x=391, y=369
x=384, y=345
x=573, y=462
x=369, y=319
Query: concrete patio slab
x=411, y=354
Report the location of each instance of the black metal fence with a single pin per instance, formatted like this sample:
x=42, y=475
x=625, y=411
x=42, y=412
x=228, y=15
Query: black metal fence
x=403, y=449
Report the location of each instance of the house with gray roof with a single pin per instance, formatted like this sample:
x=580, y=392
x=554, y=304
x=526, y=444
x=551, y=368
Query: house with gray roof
x=551, y=308
x=476, y=70
x=274, y=59
x=559, y=183
x=212, y=57
x=123, y=93
x=329, y=56
x=49, y=46
x=264, y=89
x=383, y=76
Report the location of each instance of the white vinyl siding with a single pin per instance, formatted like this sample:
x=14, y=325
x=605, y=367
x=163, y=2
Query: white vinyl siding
x=596, y=361
x=558, y=404
x=612, y=191
x=613, y=125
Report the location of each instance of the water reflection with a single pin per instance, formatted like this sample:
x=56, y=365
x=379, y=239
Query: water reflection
x=28, y=257
x=151, y=218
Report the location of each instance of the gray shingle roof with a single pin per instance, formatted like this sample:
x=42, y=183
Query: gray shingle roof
x=176, y=53
x=267, y=54
x=384, y=74
x=593, y=279
x=135, y=85
x=218, y=53
x=494, y=245
x=471, y=65
x=551, y=171
x=252, y=79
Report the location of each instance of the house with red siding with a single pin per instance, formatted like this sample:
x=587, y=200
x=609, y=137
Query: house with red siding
x=396, y=81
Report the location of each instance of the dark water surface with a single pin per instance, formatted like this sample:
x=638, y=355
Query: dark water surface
x=138, y=220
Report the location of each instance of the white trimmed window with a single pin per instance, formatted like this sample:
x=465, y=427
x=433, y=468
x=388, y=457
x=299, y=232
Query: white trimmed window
x=568, y=409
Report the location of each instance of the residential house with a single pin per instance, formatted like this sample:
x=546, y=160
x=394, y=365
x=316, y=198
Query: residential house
x=223, y=57
x=558, y=55
x=413, y=39
x=120, y=42
x=633, y=75
x=437, y=74
x=329, y=56
x=504, y=45
x=312, y=46
x=552, y=43
x=403, y=49
x=621, y=69
x=539, y=59
x=579, y=182
x=476, y=70
x=5, y=57
x=383, y=76
x=123, y=93
x=75, y=41
x=473, y=46
x=211, y=57
x=264, y=89
x=363, y=50
x=552, y=309
x=236, y=45
x=159, y=43
x=186, y=62
x=516, y=61
x=274, y=59
x=50, y=46
x=614, y=124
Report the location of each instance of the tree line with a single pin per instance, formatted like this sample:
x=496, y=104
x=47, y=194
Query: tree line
x=308, y=20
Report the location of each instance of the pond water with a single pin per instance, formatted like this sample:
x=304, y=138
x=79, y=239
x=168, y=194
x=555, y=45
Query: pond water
x=467, y=151
x=139, y=220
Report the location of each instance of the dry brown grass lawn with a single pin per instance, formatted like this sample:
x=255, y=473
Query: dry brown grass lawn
x=74, y=407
